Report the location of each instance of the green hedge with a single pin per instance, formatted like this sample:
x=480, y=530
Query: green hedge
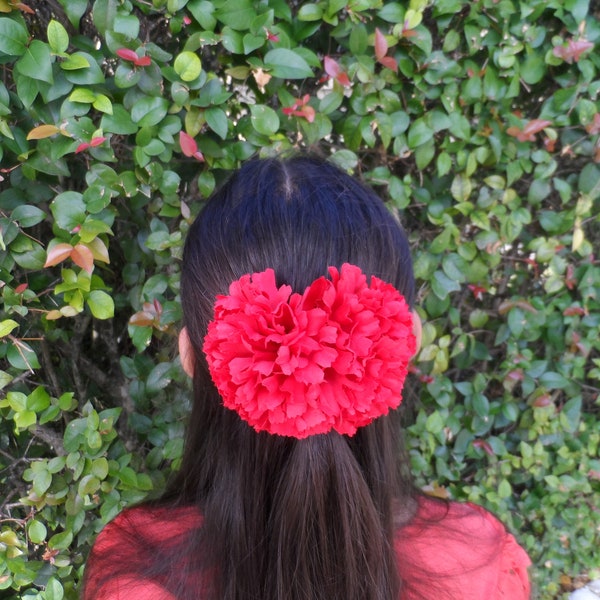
x=478, y=120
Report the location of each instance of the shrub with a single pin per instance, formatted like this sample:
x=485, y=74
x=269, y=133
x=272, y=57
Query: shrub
x=478, y=121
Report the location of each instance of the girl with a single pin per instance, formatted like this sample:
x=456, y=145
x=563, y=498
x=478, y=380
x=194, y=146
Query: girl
x=297, y=292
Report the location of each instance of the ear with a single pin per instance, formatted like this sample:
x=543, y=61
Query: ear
x=417, y=329
x=186, y=352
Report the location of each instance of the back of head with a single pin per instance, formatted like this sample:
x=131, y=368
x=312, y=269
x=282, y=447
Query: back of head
x=310, y=518
x=297, y=216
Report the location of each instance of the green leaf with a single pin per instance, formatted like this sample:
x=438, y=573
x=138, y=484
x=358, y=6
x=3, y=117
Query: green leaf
x=101, y=304
x=13, y=37
x=252, y=42
x=54, y=590
x=118, y=122
x=90, y=75
x=237, y=14
x=203, y=12
x=149, y=111
x=58, y=38
x=217, y=121
x=37, y=531
x=36, y=62
x=7, y=326
x=60, y=541
x=434, y=423
x=68, y=210
x=287, y=64
x=27, y=216
x=310, y=12
x=84, y=95
x=104, y=14
x=461, y=187
x=264, y=119
x=419, y=133
x=188, y=66
x=74, y=9
x=533, y=68
x=22, y=357
x=392, y=12
x=74, y=62
x=103, y=104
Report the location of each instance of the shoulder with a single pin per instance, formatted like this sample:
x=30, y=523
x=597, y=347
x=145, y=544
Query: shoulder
x=133, y=539
x=464, y=549
x=156, y=525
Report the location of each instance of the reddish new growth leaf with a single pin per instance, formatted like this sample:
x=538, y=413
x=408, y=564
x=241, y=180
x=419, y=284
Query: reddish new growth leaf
x=332, y=68
x=93, y=143
x=573, y=311
x=572, y=50
x=81, y=255
x=271, y=36
x=189, y=147
x=149, y=316
x=381, y=48
x=477, y=290
x=594, y=127
x=485, y=446
x=527, y=134
x=543, y=400
x=21, y=288
x=300, y=108
x=57, y=254
x=186, y=20
x=131, y=56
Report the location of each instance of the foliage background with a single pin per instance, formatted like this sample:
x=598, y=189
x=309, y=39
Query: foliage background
x=478, y=121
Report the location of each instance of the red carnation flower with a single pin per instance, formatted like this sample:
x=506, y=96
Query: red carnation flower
x=335, y=357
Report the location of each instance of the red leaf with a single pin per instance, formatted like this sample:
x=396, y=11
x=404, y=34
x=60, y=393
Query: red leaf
x=127, y=54
x=142, y=319
x=21, y=288
x=527, y=134
x=573, y=50
x=543, y=400
x=516, y=375
x=389, y=62
x=483, y=445
x=188, y=144
x=198, y=156
x=344, y=79
x=572, y=311
x=82, y=256
x=97, y=141
x=83, y=146
x=477, y=290
x=57, y=254
x=308, y=112
x=186, y=20
x=143, y=61
x=332, y=68
x=381, y=45
x=594, y=127
x=535, y=126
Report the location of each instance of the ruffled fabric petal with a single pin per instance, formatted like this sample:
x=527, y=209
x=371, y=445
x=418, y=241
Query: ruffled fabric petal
x=334, y=357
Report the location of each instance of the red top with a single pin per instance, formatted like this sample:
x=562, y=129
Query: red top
x=448, y=550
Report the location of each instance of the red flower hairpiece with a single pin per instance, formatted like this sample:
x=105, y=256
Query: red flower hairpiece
x=335, y=357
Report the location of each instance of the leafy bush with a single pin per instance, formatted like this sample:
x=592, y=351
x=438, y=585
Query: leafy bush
x=478, y=121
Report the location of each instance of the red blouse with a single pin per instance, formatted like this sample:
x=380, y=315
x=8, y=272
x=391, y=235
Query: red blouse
x=461, y=546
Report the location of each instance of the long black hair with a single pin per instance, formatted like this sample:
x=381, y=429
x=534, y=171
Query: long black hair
x=310, y=519
x=287, y=518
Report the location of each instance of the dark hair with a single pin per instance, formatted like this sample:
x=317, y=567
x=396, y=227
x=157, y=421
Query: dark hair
x=309, y=519
x=291, y=518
